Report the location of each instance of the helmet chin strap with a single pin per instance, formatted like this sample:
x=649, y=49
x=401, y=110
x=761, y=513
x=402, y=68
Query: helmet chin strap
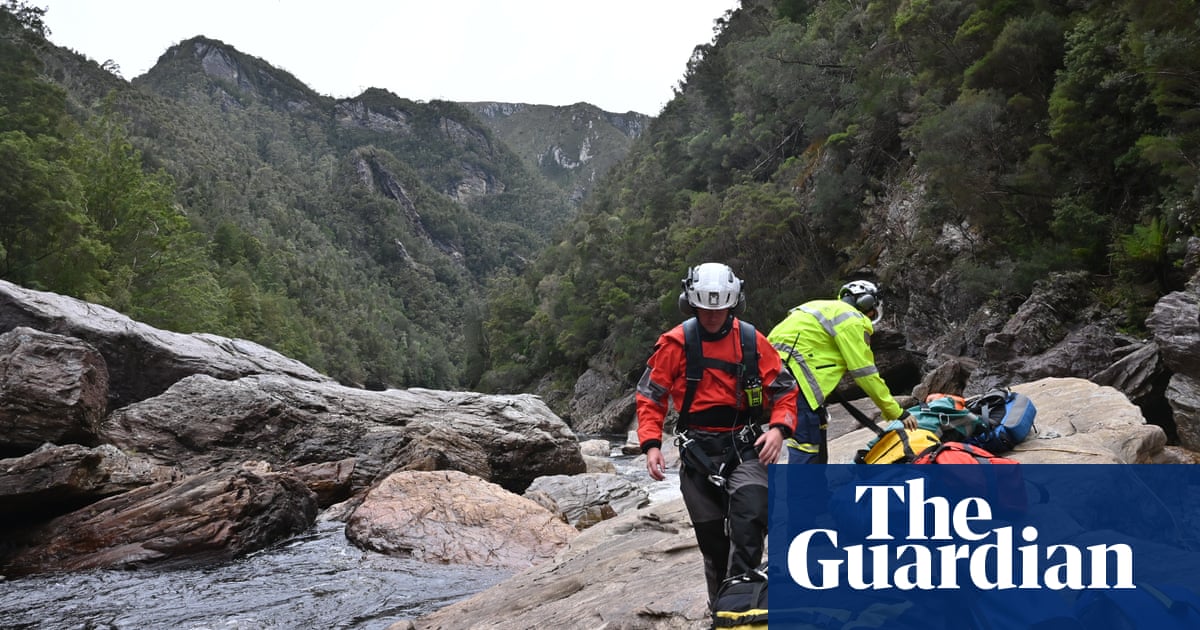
x=721, y=332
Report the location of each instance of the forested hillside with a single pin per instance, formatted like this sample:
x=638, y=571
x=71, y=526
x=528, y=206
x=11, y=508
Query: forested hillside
x=957, y=152
x=571, y=146
x=220, y=194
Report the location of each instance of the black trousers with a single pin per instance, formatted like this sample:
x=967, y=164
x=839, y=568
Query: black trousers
x=730, y=520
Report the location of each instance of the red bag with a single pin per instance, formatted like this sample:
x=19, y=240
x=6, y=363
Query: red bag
x=959, y=453
x=1003, y=487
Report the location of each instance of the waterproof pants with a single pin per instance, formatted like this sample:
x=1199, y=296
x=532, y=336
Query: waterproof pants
x=730, y=520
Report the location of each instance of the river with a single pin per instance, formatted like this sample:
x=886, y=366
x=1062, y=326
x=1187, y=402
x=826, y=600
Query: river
x=316, y=580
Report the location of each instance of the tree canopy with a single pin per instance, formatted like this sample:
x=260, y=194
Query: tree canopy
x=812, y=140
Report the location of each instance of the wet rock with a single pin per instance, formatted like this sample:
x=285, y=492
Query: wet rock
x=638, y=570
x=55, y=480
x=203, y=422
x=215, y=515
x=587, y=498
x=142, y=360
x=53, y=388
x=452, y=517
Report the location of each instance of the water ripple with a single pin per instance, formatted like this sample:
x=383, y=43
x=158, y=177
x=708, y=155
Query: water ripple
x=317, y=580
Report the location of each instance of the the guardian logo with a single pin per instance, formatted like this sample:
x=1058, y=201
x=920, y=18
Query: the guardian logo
x=936, y=544
x=979, y=547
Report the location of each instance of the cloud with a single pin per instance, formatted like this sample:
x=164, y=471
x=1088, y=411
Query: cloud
x=619, y=55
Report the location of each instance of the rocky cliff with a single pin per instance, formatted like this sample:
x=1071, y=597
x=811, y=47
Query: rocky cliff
x=126, y=446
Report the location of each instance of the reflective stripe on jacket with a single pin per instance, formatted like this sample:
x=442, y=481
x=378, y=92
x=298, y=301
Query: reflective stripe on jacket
x=665, y=379
x=823, y=339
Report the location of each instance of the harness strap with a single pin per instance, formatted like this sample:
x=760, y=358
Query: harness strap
x=717, y=470
x=858, y=414
x=697, y=362
x=966, y=423
x=689, y=449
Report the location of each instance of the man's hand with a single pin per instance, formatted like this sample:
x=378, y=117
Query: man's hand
x=909, y=421
x=655, y=464
x=769, y=445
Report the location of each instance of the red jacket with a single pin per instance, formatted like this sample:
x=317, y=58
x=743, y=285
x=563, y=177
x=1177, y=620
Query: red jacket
x=665, y=377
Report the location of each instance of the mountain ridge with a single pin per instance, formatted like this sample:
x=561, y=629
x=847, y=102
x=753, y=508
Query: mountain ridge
x=359, y=234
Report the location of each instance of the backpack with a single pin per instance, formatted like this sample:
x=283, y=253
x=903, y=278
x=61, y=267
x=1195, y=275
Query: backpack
x=1009, y=417
x=1003, y=487
x=945, y=416
x=959, y=453
x=948, y=416
x=741, y=602
x=897, y=446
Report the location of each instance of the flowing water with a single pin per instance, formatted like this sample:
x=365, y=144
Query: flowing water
x=317, y=580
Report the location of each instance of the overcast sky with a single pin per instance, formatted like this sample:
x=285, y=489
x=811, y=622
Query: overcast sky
x=619, y=55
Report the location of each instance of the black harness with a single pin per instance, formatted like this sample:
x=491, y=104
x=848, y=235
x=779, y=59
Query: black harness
x=691, y=450
x=746, y=372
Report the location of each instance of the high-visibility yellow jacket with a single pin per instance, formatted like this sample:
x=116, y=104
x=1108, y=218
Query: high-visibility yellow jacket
x=822, y=340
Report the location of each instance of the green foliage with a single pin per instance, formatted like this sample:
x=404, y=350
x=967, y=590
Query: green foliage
x=151, y=263
x=1079, y=227
x=965, y=151
x=79, y=216
x=41, y=226
x=813, y=140
x=388, y=241
x=354, y=236
x=1022, y=60
x=26, y=16
x=1141, y=254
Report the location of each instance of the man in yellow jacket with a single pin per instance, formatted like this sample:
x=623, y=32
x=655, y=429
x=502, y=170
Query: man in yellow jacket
x=819, y=342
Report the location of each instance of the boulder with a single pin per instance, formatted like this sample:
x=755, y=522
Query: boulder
x=329, y=481
x=203, y=422
x=599, y=464
x=216, y=515
x=142, y=360
x=1042, y=321
x=1138, y=372
x=595, y=448
x=1175, y=324
x=53, y=388
x=451, y=517
x=1183, y=393
x=585, y=499
x=600, y=404
x=638, y=570
x=55, y=480
x=1077, y=422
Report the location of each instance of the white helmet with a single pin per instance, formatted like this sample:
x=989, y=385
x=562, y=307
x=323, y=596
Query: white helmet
x=864, y=296
x=712, y=286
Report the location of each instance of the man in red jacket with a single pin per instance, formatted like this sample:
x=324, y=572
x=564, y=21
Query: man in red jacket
x=721, y=409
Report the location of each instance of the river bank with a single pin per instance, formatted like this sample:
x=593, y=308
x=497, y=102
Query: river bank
x=316, y=580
